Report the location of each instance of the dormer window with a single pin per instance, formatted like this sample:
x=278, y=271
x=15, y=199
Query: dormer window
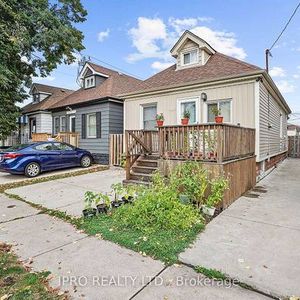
x=36, y=98
x=89, y=82
x=190, y=57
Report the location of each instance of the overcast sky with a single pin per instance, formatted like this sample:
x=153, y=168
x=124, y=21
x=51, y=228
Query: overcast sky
x=136, y=36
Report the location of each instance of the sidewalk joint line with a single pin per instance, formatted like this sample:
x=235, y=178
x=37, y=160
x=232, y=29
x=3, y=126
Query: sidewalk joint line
x=148, y=283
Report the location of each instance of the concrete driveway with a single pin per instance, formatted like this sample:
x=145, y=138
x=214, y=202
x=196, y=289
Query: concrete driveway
x=67, y=194
x=257, y=239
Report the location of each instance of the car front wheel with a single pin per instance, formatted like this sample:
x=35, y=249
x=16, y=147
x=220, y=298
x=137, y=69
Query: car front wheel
x=86, y=161
x=32, y=169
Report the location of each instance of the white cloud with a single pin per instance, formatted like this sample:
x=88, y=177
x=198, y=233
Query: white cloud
x=277, y=72
x=145, y=38
x=153, y=38
x=296, y=76
x=158, y=65
x=103, y=35
x=285, y=86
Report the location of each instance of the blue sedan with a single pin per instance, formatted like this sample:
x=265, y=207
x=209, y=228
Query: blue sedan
x=32, y=159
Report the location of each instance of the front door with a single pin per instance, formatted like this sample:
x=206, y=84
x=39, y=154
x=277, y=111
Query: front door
x=32, y=127
x=149, y=117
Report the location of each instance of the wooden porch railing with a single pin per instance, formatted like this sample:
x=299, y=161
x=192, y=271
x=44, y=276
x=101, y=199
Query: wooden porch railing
x=71, y=138
x=138, y=142
x=207, y=142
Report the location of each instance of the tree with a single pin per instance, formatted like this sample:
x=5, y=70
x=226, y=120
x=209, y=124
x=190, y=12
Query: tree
x=35, y=37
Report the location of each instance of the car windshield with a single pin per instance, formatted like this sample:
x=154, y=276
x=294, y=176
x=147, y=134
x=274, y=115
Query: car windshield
x=16, y=148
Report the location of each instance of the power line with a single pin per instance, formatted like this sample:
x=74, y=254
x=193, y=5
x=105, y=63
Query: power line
x=285, y=27
x=268, y=51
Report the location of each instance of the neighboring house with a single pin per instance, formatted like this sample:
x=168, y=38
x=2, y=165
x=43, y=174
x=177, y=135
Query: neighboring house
x=94, y=111
x=203, y=79
x=293, y=130
x=36, y=118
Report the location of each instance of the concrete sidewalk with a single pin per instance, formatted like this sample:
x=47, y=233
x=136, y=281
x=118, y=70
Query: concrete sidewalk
x=92, y=268
x=256, y=239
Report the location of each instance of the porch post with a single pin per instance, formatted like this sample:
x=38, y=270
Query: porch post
x=219, y=144
x=127, y=166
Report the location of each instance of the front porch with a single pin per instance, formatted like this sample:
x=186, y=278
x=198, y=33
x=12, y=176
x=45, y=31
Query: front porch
x=222, y=148
x=71, y=138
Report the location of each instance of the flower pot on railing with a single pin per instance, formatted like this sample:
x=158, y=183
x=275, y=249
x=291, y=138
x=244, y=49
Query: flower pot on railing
x=160, y=123
x=219, y=119
x=185, y=121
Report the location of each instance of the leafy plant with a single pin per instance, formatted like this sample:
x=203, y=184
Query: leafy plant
x=160, y=117
x=102, y=199
x=118, y=190
x=216, y=111
x=218, y=187
x=129, y=191
x=89, y=199
x=186, y=114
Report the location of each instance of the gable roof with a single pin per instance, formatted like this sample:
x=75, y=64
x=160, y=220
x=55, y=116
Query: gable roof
x=218, y=66
x=55, y=95
x=117, y=83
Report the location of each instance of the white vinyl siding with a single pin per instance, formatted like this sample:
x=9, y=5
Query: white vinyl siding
x=273, y=129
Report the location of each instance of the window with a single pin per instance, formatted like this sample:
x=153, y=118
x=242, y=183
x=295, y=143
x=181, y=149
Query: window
x=62, y=147
x=190, y=57
x=32, y=126
x=89, y=82
x=190, y=105
x=44, y=147
x=72, y=124
x=63, y=124
x=149, y=117
x=223, y=106
x=36, y=98
x=91, y=126
x=56, y=125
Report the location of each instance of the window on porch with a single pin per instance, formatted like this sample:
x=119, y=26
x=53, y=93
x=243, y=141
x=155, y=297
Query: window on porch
x=190, y=105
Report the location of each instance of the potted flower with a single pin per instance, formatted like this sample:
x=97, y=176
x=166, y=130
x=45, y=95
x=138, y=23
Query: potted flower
x=185, y=117
x=89, y=211
x=160, y=119
x=102, y=203
x=217, y=113
x=218, y=187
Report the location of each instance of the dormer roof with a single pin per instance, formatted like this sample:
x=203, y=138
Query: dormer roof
x=92, y=69
x=188, y=35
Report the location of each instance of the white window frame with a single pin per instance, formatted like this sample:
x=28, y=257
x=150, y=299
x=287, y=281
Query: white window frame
x=54, y=126
x=60, y=123
x=142, y=106
x=185, y=100
x=187, y=52
x=89, y=82
x=87, y=126
x=214, y=102
x=70, y=122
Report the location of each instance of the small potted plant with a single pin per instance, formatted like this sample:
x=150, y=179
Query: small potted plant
x=185, y=117
x=128, y=195
x=217, y=113
x=102, y=203
x=160, y=119
x=89, y=211
x=118, y=190
x=218, y=187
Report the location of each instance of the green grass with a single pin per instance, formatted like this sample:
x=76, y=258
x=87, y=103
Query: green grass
x=163, y=245
x=18, y=283
x=211, y=273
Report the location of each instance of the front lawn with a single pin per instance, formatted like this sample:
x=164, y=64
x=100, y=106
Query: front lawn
x=161, y=244
x=17, y=283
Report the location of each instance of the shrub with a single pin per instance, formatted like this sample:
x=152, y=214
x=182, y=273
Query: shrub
x=217, y=189
x=157, y=208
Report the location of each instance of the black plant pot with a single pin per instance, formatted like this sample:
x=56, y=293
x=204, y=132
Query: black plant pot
x=129, y=200
x=116, y=204
x=102, y=208
x=89, y=213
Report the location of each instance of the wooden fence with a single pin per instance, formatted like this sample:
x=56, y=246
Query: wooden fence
x=71, y=138
x=116, y=149
x=294, y=146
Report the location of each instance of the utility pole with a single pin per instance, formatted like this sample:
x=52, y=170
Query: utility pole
x=268, y=53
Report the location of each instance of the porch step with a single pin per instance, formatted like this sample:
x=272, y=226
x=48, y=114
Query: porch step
x=143, y=169
x=140, y=176
x=137, y=182
x=147, y=162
